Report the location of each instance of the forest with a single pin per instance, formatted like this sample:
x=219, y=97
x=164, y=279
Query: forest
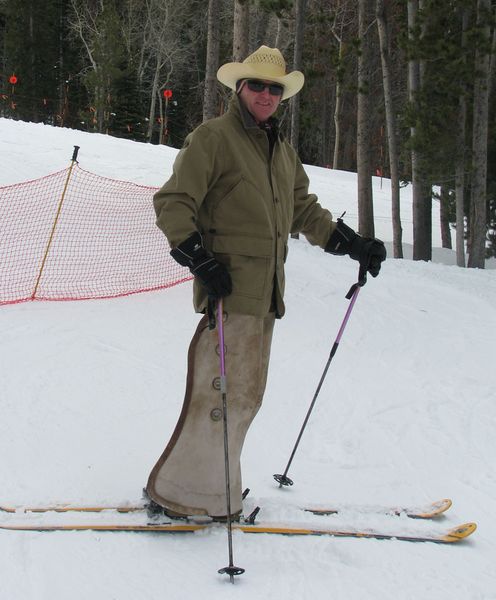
x=397, y=88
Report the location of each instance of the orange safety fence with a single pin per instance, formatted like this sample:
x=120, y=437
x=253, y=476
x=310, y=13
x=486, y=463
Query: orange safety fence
x=74, y=235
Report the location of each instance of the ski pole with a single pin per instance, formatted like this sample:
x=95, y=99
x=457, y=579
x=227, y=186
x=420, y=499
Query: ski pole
x=352, y=296
x=230, y=570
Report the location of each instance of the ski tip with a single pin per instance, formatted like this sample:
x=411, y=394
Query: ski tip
x=435, y=509
x=443, y=505
x=7, y=509
x=460, y=533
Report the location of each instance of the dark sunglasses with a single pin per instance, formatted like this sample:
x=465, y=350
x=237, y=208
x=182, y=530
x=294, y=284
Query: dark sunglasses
x=275, y=89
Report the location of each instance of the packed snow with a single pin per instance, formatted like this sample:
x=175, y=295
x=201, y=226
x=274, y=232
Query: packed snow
x=91, y=391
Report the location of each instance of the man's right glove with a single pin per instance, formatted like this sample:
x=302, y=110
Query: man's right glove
x=212, y=274
x=369, y=252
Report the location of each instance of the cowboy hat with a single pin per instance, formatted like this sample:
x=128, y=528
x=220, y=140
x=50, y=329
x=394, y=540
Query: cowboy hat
x=266, y=64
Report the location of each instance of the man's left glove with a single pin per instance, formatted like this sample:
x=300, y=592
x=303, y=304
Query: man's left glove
x=213, y=274
x=369, y=252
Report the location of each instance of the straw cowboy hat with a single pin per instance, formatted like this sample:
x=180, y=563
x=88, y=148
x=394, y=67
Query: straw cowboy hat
x=267, y=64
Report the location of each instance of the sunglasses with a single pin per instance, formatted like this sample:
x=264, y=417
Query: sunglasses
x=275, y=89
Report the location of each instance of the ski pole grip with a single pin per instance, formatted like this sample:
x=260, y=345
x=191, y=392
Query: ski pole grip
x=362, y=280
x=75, y=153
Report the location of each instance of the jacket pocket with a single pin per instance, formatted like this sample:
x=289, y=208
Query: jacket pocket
x=244, y=210
x=249, y=261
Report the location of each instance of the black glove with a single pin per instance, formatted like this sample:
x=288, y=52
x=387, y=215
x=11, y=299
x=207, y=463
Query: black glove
x=369, y=252
x=213, y=274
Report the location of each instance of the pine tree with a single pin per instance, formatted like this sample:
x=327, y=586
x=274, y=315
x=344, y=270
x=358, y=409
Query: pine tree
x=33, y=54
x=478, y=208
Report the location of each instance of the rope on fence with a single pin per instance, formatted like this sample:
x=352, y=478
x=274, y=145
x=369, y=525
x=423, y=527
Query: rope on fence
x=74, y=235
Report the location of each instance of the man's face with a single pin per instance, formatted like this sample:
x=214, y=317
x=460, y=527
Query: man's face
x=261, y=105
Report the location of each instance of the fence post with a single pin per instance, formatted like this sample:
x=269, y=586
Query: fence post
x=54, y=227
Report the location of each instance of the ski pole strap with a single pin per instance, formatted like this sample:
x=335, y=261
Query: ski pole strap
x=362, y=280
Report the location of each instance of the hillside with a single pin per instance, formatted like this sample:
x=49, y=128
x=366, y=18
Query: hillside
x=91, y=392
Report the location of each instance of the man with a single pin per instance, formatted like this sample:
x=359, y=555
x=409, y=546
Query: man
x=237, y=191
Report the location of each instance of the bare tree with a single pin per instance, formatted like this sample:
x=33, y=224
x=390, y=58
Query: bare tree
x=364, y=167
x=341, y=21
x=337, y=111
x=390, y=128
x=271, y=25
x=241, y=30
x=147, y=31
x=210, y=104
x=160, y=50
x=300, y=8
x=87, y=23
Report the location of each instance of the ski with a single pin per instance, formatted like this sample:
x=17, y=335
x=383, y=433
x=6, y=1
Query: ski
x=428, y=511
x=63, y=508
x=448, y=536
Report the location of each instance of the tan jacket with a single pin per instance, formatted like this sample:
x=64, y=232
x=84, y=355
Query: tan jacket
x=245, y=204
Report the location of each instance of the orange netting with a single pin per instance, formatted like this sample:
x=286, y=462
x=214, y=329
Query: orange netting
x=74, y=235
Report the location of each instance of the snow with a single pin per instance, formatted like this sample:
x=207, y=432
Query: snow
x=90, y=392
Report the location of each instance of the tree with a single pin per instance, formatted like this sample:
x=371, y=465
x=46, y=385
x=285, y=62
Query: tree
x=390, y=128
x=241, y=30
x=421, y=188
x=35, y=56
x=337, y=108
x=342, y=20
x=273, y=22
x=210, y=103
x=158, y=56
x=478, y=210
x=300, y=7
x=98, y=27
x=460, y=150
x=445, y=210
x=364, y=167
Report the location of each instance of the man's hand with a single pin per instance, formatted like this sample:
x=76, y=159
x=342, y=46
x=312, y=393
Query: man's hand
x=212, y=274
x=369, y=252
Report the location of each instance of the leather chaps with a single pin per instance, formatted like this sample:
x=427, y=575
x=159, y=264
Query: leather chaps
x=189, y=477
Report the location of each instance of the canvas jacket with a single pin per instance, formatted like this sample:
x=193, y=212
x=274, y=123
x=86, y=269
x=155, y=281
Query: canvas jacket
x=245, y=202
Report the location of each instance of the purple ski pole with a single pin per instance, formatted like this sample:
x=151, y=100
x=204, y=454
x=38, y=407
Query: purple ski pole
x=352, y=295
x=230, y=570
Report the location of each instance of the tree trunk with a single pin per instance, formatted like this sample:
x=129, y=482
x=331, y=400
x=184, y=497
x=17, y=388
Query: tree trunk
x=460, y=161
x=460, y=183
x=241, y=29
x=444, y=202
x=478, y=221
x=364, y=169
x=421, y=190
x=337, y=114
x=391, y=129
x=153, y=100
x=492, y=63
x=298, y=52
x=210, y=108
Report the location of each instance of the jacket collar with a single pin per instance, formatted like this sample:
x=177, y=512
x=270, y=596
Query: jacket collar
x=237, y=108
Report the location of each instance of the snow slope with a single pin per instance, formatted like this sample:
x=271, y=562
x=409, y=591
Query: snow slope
x=90, y=392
